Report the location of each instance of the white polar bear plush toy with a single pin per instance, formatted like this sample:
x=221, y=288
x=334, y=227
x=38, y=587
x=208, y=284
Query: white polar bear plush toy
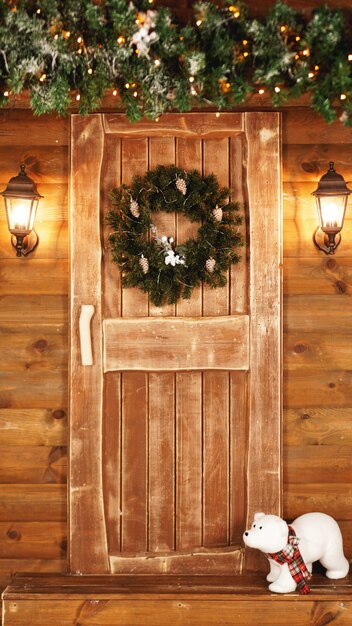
x=292, y=549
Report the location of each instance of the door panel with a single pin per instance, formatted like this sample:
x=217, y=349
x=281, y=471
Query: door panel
x=172, y=422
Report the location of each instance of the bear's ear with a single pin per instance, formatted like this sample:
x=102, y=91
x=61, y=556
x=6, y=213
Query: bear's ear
x=258, y=516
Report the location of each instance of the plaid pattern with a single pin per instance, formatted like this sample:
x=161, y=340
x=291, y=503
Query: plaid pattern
x=292, y=556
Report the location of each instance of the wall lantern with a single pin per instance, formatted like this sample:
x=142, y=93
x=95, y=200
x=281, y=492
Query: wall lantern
x=331, y=196
x=21, y=199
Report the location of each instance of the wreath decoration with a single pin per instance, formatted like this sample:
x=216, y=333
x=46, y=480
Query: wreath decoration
x=155, y=263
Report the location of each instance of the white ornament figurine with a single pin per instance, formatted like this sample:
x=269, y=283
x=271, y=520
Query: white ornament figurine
x=292, y=549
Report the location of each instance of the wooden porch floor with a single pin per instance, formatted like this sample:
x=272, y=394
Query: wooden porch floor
x=56, y=600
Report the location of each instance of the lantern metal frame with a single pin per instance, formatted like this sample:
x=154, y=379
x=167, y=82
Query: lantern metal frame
x=331, y=184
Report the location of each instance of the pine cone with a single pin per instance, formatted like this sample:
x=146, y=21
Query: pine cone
x=144, y=263
x=210, y=264
x=181, y=185
x=134, y=208
x=217, y=212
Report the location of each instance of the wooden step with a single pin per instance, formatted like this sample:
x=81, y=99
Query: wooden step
x=128, y=600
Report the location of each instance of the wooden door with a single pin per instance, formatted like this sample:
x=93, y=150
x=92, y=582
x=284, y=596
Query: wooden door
x=173, y=450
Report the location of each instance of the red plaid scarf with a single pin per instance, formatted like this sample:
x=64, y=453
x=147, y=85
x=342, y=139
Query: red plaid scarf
x=292, y=556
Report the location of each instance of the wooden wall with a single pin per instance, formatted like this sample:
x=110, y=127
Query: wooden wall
x=33, y=339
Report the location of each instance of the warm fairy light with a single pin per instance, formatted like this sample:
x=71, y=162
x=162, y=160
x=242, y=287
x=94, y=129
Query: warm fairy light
x=245, y=42
x=283, y=28
x=191, y=79
x=79, y=39
x=114, y=93
x=316, y=67
x=66, y=34
x=245, y=54
x=156, y=119
x=121, y=40
x=42, y=78
x=137, y=52
x=343, y=96
x=350, y=57
x=310, y=74
x=6, y=94
x=261, y=91
x=56, y=37
x=80, y=50
x=235, y=10
x=157, y=62
x=193, y=91
x=89, y=70
x=298, y=38
x=277, y=89
x=127, y=85
x=199, y=22
x=135, y=94
x=306, y=52
x=217, y=114
x=78, y=97
x=296, y=57
x=38, y=11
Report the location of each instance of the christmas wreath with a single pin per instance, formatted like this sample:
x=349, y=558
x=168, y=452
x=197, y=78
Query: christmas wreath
x=155, y=262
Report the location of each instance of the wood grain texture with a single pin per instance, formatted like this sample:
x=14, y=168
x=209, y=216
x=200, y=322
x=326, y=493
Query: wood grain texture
x=156, y=601
x=157, y=344
x=86, y=513
x=191, y=125
x=264, y=469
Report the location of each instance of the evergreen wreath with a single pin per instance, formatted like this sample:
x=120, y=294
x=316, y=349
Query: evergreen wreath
x=156, y=263
x=73, y=52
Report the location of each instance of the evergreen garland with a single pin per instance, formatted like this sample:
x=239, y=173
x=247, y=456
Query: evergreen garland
x=154, y=262
x=68, y=52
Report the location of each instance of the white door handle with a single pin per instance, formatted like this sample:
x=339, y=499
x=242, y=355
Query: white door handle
x=87, y=312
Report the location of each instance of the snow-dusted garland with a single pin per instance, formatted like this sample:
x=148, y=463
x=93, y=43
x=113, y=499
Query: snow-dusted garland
x=156, y=263
x=66, y=52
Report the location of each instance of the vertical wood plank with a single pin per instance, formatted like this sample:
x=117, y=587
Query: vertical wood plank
x=111, y=306
x=239, y=273
x=134, y=475
x=238, y=437
x=161, y=462
x=264, y=193
x=216, y=458
x=134, y=464
x=161, y=397
x=216, y=390
x=189, y=414
x=88, y=544
x=112, y=458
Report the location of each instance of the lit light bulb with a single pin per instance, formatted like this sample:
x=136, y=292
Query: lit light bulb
x=89, y=70
x=42, y=78
x=6, y=94
x=199, y=22
x=78, y=97
x=157, y=62
x=310, y=74
x=343, y=96
x=121, y=40
x=350, y=57
x=191, y=79
x=114, y=93
x=277, y=89
x=261, y=91
x=217, y=114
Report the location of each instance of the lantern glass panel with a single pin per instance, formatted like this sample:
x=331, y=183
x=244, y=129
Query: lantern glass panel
x=21, y=214
x=331, y=212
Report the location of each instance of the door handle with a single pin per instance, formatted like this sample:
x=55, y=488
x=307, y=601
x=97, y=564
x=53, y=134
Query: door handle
x=87, y=312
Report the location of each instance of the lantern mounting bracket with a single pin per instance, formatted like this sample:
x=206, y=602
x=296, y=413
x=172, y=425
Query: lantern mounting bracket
x=325, y=242
x=26, y=245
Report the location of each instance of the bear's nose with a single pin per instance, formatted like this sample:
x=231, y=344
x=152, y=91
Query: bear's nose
x=246, y=533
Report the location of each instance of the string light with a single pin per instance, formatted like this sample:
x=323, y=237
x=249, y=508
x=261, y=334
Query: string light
x=191, y=79
x=38, y=11
x=127, y=85
x=343, y=96
x=245, y=54
x=217, y=114
x=306, y=52
x=78, y=97
x=66, y=34
x=245, y=42
x=135, y=94
x=156, y=120
x=6, y=94
x=157, y=62
x=121, y=40
x=350, y=57
x=42, y=78
x=261, y=91
x=199, y=22
x=79, y=39
x=310, y=74
x=56, y=37
x=235, y=10
x=90, y=71
x=298, y=38
x=284, y=29
x=277, y=89
x=114, y=93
